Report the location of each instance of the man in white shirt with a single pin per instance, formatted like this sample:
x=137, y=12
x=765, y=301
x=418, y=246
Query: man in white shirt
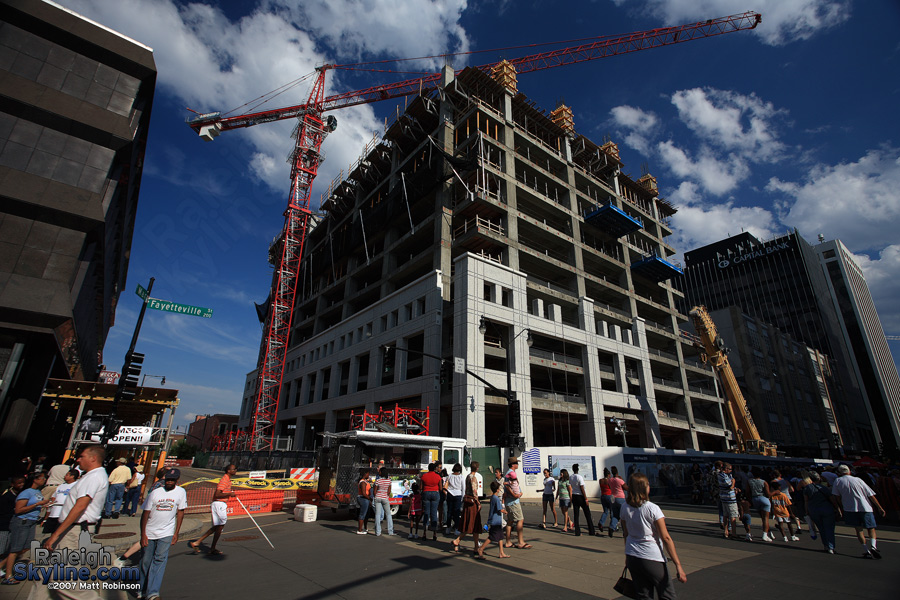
x=580, y=501
x=856, y=500
x=160, y=526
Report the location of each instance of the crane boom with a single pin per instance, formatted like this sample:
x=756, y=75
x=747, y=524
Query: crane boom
x=625, y=44
x=748, y=438
x=306, y=157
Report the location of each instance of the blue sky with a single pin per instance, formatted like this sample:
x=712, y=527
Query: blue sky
x=790, y=125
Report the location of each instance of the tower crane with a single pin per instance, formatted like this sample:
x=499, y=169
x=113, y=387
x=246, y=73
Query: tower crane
x=745, y=432
x=313, y=127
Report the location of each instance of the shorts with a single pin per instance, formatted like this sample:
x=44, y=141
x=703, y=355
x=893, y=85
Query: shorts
x=565, y=503
x=548, y=498
x=514, y=513
x=860, y=519
x=783, y=520
x=21, y=534
x=495, y=533
x=730, y=510
x=219, y=513
x=761, y=503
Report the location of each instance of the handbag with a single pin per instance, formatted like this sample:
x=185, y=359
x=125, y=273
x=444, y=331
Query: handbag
x=625, y=586
x=469, y=501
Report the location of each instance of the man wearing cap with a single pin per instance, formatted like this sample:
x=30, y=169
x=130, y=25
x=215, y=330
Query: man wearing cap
x=117, y=480
x=511, y=494
x=856, y=500
x=160, y=525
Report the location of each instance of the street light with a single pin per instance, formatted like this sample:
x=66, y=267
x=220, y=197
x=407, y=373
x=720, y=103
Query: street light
x=620, y=428
x=512, y=403
x=162, y=379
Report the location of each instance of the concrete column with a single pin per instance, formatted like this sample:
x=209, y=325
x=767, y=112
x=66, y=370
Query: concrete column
x=593, y=433
x=330, y=420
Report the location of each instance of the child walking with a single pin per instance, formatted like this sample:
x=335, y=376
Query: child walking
x=415, y=511
x=495, y=523
x=781, y=508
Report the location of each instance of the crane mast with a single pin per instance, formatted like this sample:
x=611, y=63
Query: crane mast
x=745, y=432
x=306, y=157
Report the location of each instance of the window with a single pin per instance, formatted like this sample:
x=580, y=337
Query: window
x=506, y=298
x=451, y=457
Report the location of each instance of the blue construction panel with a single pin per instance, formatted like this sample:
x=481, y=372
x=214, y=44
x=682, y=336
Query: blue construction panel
x=612, y=220
x=655, y=269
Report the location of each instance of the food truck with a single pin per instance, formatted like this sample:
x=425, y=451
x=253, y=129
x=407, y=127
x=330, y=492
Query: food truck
x=347, y=454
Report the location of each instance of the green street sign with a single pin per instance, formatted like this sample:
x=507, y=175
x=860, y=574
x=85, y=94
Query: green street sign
x=183, y=309
x=141, y=292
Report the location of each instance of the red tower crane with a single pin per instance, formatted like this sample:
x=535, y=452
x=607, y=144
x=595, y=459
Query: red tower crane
x=306, y=157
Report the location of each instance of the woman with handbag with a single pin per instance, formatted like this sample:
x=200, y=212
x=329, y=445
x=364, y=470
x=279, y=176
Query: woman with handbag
x=364, y=501
x=645, y=532
x=471, y=509
x=817, y=499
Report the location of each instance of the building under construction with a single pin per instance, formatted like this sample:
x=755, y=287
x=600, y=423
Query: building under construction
x=479, y=227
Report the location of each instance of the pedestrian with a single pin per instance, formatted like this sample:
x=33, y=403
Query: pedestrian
x=495, y=524
x=133, y=491
x=363, y=501
x=618, y=487
x=781, y=509
x=512, y=492
x=456, y=487
x=431, y=496
x=606, y=501
x=564, y=496
x=856, y=502
x=759, y=500
x=26, y=514
x=728, y=499
x=58, y=499
x=471, y=512
x=744, y=516
x=7, y=512
x=547, y=499
x=80, y=512
x=580, y=501
x=787, y=488
x=382, y=502
x=415, y=510
x=118, y=478
x=219, y=511
x=163, y=512
x=644, y=528
x=817, y=498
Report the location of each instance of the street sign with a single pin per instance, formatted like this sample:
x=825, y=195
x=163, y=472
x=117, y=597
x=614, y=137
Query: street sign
x=141, y=292
x=459, y=365
x=184, y=309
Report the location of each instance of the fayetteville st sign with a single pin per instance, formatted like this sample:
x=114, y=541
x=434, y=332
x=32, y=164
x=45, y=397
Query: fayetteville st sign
x=184, y=309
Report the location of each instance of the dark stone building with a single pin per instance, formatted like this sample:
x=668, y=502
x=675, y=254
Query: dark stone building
x=75, y=101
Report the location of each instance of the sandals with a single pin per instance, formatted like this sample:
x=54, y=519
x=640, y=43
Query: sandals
x=216, y=553
x=455, y=545
x=195, y=547
x=525, y=547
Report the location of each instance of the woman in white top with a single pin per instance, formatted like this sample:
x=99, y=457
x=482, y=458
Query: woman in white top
x=456, y=486
x=645, y=532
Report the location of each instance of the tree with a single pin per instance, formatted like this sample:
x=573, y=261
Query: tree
x=182, y=449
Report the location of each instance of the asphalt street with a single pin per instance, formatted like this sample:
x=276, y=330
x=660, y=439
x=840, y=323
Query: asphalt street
x=325, y=559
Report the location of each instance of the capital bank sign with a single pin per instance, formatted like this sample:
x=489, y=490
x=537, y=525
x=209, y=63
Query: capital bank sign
x=741, y=258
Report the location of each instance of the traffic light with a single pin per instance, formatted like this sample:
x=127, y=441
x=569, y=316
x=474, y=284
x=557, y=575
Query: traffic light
x=388, y=362
x=446, y=372
x=111, y=427
x=515, y=419
x=134, y=362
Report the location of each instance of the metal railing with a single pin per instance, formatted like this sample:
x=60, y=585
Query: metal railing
x=555, y=396
x=672, y=415
x=668, y=382
x=556, y=357
x=662, y=353
x=477, y=223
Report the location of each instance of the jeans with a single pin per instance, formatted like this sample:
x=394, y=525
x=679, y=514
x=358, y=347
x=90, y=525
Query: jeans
x=579, y=502
x=114, y=498
x=616, y=512
x=132, y=500
x=383, y=511
x=430, y=502
x=454, y=506
x=607, y=503
x=153, y=565
x=824, y=521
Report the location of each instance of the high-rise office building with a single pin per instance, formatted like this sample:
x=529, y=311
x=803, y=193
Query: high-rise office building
x=872, y=360
x=75, y=101
x=781, y=282
x=481, y=228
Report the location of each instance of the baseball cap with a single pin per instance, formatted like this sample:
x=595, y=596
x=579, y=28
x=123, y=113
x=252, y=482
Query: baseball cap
x=172, y=474
x=122, y=460
x=139, y=468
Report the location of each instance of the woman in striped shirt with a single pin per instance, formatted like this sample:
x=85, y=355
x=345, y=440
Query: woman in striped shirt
x=382, y=502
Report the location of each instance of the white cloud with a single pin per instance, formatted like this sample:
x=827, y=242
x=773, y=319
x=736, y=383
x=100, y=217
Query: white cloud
x=717, y=176
x=640, y=126
x=698, y=223
x=732, y=121
x=209, y=62
x=856, y=202
x=783, y=21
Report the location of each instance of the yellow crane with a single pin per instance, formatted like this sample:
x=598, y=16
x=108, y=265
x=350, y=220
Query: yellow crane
x=745, y=433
